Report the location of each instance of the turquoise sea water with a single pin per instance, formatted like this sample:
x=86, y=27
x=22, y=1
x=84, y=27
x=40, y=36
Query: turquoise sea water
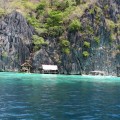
x=58, y=97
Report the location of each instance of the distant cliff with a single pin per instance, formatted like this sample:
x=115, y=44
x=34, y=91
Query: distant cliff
x=78, y=37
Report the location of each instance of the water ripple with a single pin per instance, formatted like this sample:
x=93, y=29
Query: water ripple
x=57, y=97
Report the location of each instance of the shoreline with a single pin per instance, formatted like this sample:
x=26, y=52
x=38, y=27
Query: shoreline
x=87, y=76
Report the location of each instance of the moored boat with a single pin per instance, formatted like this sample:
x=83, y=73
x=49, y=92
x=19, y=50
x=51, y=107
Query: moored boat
x=101, y=73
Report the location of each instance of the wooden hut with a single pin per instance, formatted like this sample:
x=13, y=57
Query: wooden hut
x=26, y=67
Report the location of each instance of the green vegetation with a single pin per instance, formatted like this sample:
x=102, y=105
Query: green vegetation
x=65, y=44
x=110, y=24
x=2, y=12
x=112, y=37
x=97, y=40
x=41, y=6
x=106, y=7
x=85, y=54
x=75, y=25
x=77, y=2
x=38, y=42
x=28, y=5
x=89, y=29
x=86, y=44
x=33, y=21
x=62, y=5
x=66, y=51
x=55, y=31
x=54, y=23
x=53, y=19
x=92, y=11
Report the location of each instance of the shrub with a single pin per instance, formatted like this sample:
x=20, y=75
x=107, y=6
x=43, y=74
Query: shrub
x=110, y=24
x=41, y=31
x=75, y=25
x=77, y=2
x=112, y=37
x=55, y=31
x=106, y=7
x=64, y=43
x=97, y=39
x=33, y=21
x=62, y=5
x=66, y=51
x=29, y=5
x=85, y=54
x=89, y=29
x=38, y=42
x=92, y=11
x=54, y=19
x=86, y=44
x=41, y=6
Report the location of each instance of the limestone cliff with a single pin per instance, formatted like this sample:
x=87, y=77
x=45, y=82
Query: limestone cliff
x=95, y=46
x=103, y=53
x=15, y=41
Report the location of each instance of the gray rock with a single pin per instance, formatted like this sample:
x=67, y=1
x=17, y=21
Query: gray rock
x=15, y=41
x=16, y=47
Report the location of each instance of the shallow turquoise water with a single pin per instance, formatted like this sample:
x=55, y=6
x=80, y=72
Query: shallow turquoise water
x=58, y=97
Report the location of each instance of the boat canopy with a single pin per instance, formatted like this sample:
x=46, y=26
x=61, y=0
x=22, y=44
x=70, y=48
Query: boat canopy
x=97, y=72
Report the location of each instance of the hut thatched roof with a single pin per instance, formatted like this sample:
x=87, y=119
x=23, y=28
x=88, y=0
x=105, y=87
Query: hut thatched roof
x=26, y=65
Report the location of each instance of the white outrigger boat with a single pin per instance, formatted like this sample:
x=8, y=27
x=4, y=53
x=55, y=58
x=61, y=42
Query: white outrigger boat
x=95, y=73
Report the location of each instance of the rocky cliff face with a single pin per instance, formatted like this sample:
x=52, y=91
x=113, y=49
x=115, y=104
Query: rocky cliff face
x=98, y=31
x=16, y=43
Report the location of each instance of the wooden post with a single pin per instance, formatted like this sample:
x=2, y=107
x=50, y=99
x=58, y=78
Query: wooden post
x=118, y=71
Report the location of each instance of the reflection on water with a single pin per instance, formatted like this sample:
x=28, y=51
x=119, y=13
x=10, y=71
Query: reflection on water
x=58, y=97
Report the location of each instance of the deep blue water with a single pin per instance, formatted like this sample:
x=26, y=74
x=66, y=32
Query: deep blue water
x=58, y=97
